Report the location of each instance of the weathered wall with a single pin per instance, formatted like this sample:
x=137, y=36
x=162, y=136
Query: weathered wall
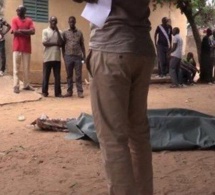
x=63, y=9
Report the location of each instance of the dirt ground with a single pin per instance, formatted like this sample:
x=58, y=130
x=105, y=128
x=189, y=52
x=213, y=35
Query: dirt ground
x=45, y=163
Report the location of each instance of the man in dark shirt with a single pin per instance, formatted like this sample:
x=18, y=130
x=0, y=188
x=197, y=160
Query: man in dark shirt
x=74, y=53
x=163, y=39
x=3, y=31
x=206, y=62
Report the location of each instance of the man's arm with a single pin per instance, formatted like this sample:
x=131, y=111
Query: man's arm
x=45, y=40
x=60, y=39
x=155, y=36
x=8, y=27
x=83, y=47
x=28, y=32
x=170, y=36
x=64, y=43
x=25, y=31
x=174, y=47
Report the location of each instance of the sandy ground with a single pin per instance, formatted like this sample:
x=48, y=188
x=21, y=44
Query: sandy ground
x=45, y=163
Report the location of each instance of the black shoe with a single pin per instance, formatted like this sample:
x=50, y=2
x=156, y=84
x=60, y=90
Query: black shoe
x=80, y=95
x=68, y=94
x=16, y=89
x=59, y=96
x=44, y=94
x=174, y=86
x=29, y=88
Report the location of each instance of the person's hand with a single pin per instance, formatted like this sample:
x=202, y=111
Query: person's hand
x=56, y=28
x=88, y=1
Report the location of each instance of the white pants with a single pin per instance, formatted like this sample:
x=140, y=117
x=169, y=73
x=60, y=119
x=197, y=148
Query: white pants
x=18, y=58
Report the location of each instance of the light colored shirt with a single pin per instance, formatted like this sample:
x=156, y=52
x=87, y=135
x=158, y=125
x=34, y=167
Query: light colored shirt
x=52, y=53
x=126, y=29
x=178, y=51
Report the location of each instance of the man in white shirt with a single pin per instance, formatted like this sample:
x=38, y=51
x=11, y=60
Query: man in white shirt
x=176, y=55
x=52, y=41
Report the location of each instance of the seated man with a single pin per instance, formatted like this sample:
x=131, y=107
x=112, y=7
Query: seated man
x=188, y=69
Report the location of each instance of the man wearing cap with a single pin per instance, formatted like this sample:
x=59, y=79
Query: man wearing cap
x=22, y=29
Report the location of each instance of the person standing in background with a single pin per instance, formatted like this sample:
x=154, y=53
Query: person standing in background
x=163, y=41
x=3, y=32
x=176, y=56
x=74, y=54
x=213, y=53
x=206, y=60
x=52, y=41
x=22, y=29
x=121, y=61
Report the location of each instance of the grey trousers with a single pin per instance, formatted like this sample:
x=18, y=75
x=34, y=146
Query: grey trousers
x=73, y=63
x=174, y=67
x=119, y=90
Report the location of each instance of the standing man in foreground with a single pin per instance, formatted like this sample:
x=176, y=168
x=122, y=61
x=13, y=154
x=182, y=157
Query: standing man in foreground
x=120, y=63
x=3, y=32
x=74, y=53
x=22, y=29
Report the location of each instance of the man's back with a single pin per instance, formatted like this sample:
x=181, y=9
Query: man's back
x=126, y=29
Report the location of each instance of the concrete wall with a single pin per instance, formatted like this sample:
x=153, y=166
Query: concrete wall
x=63, y=9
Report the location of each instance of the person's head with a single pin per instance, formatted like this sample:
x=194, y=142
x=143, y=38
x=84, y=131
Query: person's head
x=164, y=20
x=175, y=31
x=189, y=55
x=53, y=22
x=21, y=11
x=208, y=32
x=169, y=22
x=72, y=22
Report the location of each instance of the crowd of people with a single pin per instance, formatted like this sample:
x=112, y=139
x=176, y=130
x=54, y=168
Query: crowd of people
x=69, y=42
x=182, y=69
x=168, y=42
x=120, y=62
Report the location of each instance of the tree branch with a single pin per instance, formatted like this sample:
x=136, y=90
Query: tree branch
x=197, y=13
